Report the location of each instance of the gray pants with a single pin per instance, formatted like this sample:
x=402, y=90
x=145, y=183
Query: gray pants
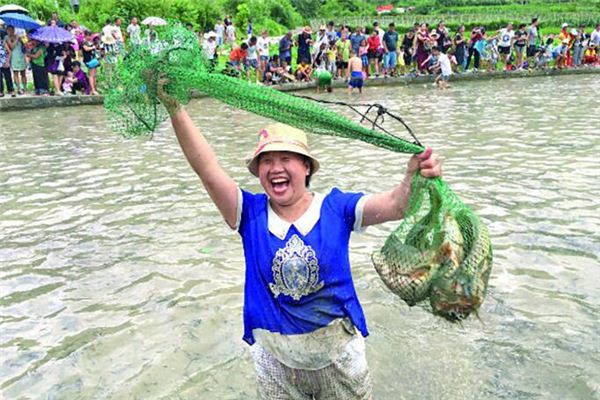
x=578, y=55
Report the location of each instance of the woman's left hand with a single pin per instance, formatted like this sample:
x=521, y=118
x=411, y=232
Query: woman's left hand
x=427, y=162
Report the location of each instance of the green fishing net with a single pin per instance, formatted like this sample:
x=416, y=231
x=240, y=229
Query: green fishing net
x=441, y=251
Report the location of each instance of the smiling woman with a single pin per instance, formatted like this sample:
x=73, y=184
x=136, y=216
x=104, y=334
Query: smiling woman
x=301, y=312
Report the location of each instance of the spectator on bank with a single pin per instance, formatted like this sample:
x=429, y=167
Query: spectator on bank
x=249, y=28
x=16, y=48
x=5, y=75
x=474, y=52
x=252, y=62
x=237, y=59
x=578, y=46
x=407, y=47
x=343, y=54
x=91, y=59
x=595, y=38
x=80, y=81
x=390, y=47
x=423, y=47
x=304, y=71
x=273, y=71
x=320, y=38
x=532, y=37
x=444, y=42
x=544, y=54
x=562, y=36
x=363, y=54
x=209, y=48
x=320, y=59
x=230, y=34
x=220, y=31
x=356, y=39
x=332, y=58
x=460, y=48
x=520, y=43
x=331, y=33
x=304, y=42
x=59, y=65
x=562, y=54
x=134, y=32
x=37, y=54
x=505, y=37
x=375, y=51
x=118, y=34
x=285, y=48
x=55, y=20
x=262, y=44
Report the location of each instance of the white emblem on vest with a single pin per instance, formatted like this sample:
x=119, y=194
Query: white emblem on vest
x=295, y=270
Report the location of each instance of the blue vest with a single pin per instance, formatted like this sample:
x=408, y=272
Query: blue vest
x=298, y=275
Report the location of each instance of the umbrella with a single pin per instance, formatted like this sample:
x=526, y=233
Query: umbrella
x=13, y=8
x=52, y=34
x=154, y=21
x=20, y=21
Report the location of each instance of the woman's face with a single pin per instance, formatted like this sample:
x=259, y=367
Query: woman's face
x=282, y=175
x=10, y=30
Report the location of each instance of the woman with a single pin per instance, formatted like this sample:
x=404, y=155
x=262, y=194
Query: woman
x=301, y=313
x=59, y=63
x=90, y=59
x=423, y=48
x=460, y=47
x=474, y=52
x=407, y=47
x=16, y=47
x=375, y=52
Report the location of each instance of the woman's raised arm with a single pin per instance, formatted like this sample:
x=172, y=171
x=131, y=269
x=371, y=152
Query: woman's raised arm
x=221, y=188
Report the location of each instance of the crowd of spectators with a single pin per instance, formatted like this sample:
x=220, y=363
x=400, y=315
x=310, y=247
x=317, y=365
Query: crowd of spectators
x=72, y=67
x=423, y=49
x=65, y=68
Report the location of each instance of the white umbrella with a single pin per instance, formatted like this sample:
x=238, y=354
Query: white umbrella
x=154, y=21
x=13, y=8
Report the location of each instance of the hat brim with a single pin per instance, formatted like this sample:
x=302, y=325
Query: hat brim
x=252, y=162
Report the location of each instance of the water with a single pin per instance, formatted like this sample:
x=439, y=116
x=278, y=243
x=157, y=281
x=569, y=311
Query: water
x=120, y=280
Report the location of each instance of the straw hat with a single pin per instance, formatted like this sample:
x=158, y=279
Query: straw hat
x=281, y=137
x=307, y=29
x=564, y=25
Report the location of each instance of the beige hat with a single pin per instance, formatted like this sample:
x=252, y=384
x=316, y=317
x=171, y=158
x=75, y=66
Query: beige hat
x=307, y=29
x=281, y=137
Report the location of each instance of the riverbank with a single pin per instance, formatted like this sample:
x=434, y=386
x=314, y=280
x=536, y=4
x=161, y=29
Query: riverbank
x=36, y=102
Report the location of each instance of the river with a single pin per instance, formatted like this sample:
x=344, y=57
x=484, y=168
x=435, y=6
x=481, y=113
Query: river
x=119, y=280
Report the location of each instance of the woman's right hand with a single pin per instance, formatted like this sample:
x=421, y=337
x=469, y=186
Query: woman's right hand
x=169, y=102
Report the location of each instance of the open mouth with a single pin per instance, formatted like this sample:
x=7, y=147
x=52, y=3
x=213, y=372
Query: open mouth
x=279, y=185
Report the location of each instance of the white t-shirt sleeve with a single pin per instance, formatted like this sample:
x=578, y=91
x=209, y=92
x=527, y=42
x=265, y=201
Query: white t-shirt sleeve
x=358, y=214
x=238, y=211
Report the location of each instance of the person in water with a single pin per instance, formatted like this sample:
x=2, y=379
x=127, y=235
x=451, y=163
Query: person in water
x=302, y=316
x=354, y=73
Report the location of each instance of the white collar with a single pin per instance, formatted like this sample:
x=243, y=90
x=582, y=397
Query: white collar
x=304, y=224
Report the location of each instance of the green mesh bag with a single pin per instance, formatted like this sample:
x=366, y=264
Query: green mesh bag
x=441, y=251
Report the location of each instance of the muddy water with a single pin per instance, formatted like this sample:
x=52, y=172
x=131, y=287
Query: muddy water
x=118, y=278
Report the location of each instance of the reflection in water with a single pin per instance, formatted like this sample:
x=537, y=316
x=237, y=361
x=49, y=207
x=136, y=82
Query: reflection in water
x=119, y=279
